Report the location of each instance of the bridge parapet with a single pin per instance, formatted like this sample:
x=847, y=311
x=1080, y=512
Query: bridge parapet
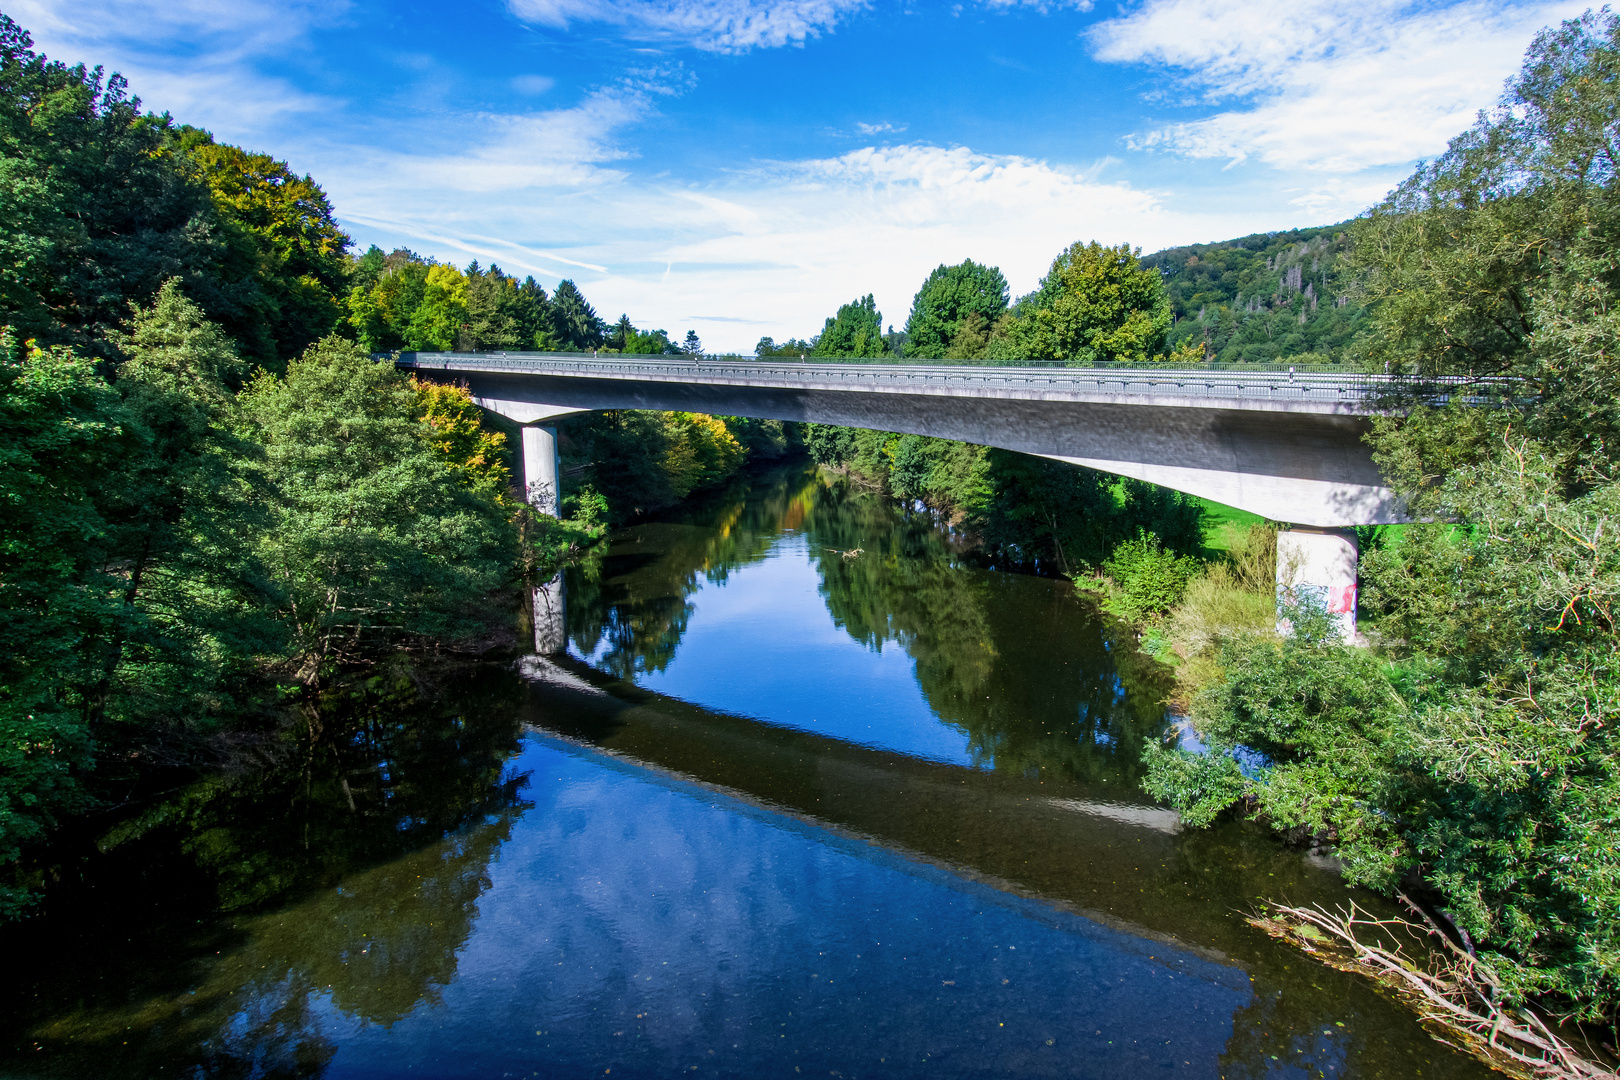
x=1266, y=391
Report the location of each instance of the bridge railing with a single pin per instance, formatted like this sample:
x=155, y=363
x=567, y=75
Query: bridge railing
x=1274, y=382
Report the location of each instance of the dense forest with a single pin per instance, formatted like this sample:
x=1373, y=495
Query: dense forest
x=1268, y=298
x=218, y=506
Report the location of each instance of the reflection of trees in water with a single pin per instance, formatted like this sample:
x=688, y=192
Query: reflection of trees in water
x=633, y=605
x=1022, y=665
x=400, y=802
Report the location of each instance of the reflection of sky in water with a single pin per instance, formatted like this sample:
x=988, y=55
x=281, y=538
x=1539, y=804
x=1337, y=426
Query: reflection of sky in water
x=764, y=645
x=650, y=927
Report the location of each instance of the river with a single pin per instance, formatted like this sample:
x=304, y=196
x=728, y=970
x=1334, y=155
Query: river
x=812, y=793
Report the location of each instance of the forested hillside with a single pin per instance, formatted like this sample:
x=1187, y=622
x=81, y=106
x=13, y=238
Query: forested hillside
x=1265, y=298
x=216, y=504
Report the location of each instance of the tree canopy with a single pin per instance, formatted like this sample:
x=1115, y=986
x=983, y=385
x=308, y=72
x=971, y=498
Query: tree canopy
x=1476, y=748
x=948, y=295
x=1096, y=304
x=856, y=330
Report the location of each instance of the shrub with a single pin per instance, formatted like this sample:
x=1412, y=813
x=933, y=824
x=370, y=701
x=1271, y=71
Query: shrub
x=1150, y=579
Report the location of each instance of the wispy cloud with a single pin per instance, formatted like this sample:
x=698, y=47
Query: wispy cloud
x=724, y=26
x=1042, y=6
x=1323, y=86
x=190, y=57
x=784, y=243
x=879, y=129
x=533, y=85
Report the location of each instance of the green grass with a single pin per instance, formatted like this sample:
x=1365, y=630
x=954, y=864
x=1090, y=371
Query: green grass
x=1217, y=516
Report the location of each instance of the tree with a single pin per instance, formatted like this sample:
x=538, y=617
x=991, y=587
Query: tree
x=1479, y=752
x=623, y=332
x=437, y=322
x=59, y=436
x=393, y=304
x=948, y=296
x=99, y=209
x=376, y=543
x=791, y=347
x=856, y=331
x=1095, y=305
x=130, y=608
x=575, y=321
x=283, y=225
x=476, y=454
x=693, y=345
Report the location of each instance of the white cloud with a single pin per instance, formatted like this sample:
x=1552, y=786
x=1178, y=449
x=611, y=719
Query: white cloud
x=776, y=248
x=1322, y=86
x=879, y=129
x=726, y=26
x=192, y=58
x=501, y=153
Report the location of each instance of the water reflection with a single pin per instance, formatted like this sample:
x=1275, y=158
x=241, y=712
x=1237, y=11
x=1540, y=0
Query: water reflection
x=571, y=872
x=905, y=644
x=385, y=821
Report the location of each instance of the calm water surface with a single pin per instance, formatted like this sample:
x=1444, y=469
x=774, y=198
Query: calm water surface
x=784, y=810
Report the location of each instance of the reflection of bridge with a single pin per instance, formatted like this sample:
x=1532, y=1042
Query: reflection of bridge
x=1289, y=447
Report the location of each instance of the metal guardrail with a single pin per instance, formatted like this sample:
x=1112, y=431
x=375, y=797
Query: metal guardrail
x=1344, y=387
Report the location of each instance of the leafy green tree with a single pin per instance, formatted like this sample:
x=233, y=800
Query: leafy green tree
x=436, y=324
x=701, y=452
x=1480, y=753
x=132, y=609
x=99, y=209
x=392, y=304
x=651, y=342
x=950, y=295
x=59, y=436
x=972, y=338
x=375, y=543
x=1096, y=304
x=477, y=454
x=179, y=518
x=856, y=331
x=693, y=345
x=791, y=347
x=386, y=293
x=575, y=322
x=282, y=225
x=829, y=444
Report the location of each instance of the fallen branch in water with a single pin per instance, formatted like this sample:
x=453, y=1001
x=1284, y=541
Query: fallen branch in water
x=1456, y=997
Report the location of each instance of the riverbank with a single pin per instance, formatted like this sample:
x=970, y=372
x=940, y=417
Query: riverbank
x=786, y=793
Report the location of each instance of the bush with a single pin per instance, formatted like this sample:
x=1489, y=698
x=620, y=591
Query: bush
x=1150, y=579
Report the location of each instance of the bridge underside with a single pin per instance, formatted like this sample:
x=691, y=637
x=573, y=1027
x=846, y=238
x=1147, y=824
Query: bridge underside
x=1307, y=468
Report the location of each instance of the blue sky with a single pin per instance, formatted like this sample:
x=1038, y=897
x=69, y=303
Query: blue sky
x=741, y=168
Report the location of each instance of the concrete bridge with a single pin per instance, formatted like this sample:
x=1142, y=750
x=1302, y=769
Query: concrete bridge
x=1286, y=446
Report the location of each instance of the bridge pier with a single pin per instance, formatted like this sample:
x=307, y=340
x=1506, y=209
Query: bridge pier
x=542, y=488
x=541, y=472
x=1319, y=563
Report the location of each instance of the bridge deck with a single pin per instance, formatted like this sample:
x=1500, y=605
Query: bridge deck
x=1266, y=391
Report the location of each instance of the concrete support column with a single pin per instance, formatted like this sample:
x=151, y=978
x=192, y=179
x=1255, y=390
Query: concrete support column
x=542, y=475
x=1319, y=565
x=541, y=471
